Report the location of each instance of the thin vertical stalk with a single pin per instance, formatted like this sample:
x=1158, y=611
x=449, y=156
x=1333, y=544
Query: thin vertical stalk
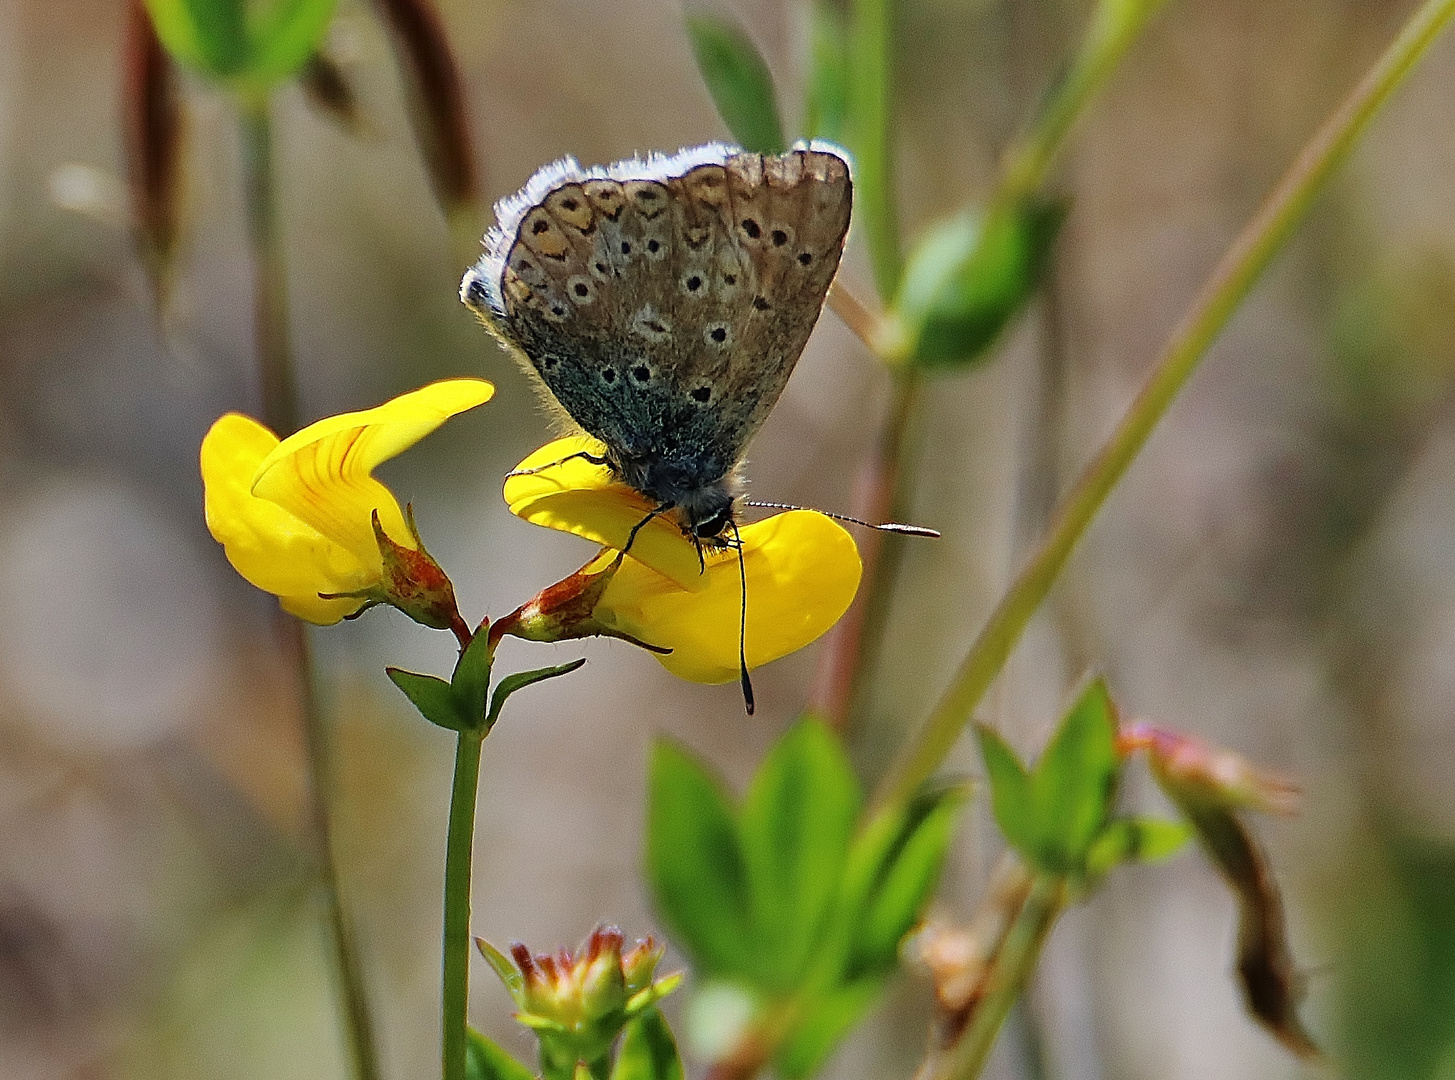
x=459, y=849
x=869, y=96
x=280, y=410
x=1230, y=282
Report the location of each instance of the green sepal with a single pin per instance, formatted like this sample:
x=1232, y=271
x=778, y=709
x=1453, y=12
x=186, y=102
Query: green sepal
x=648, y=1051
x=519, y=681
x=695, y=865
x=967, y=278
x=1146, y=840
x=253, y=43
x=650, y=995
x=739, y=81
x=485, y=1059
x=504, y=969
x=431, y=695
x=795, y=826
x=826, y=103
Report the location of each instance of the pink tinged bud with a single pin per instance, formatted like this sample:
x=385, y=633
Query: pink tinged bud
x=436, y=104
x=154, y=138
x=1208, y=771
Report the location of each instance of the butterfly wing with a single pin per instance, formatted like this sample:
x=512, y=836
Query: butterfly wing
x=665, y=303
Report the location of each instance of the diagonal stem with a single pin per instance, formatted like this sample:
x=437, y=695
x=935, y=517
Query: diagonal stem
x=280, y=410
x=1230, y=282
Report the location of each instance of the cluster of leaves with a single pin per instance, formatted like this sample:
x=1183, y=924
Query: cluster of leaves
x=793, y=901
x=968, y=276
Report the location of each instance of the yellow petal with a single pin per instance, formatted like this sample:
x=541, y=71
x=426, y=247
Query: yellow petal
x=268, y=546
x=322, y=474
x=578, y=497
x=802, y=572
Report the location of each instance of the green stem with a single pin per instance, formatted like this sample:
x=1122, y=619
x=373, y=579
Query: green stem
x=459, y=847
x=870, y=91
x=1114, y=26
x=1220, y=297
x=280, y=409
x=1012, y=967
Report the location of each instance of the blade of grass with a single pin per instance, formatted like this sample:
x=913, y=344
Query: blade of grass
x=1230, y=282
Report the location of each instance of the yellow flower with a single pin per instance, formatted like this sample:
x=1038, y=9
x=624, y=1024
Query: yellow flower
x=296, y=517
x=802, y=571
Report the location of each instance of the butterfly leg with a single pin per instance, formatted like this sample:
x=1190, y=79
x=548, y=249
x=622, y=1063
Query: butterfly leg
x=582, y=454
x=631, y=537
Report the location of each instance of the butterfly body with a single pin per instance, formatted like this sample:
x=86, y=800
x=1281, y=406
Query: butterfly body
x=664, y=303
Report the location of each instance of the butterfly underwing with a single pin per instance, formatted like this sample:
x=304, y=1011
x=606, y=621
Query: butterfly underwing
x=663, y=302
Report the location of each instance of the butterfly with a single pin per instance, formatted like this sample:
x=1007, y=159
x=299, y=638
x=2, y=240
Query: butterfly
x=663, y=303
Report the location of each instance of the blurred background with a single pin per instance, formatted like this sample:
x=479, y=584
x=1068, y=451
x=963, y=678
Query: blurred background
x=1276, y=574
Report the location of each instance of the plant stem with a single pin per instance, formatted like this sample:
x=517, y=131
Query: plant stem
x=459, y=848
x=1012, y=966
x=280, y=410
x=1224, y=291
x=870, y=92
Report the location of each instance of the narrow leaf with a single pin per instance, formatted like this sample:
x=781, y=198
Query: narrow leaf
x=430, y=695
x=648, y=1051
x=796, y=824
x=1010, y=790
x=1135, y=840
x=695, y=864
x=1073, y=784
x=486, y=1059
x=511, y=683
x=501, y=964
x=284, y=35
x=470, y=681
x=208, y=35
x=739, y=81
x=905, y=881
x=827, y=93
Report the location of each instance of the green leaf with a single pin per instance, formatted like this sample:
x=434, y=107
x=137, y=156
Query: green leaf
x=795, y=827
x=1073, y=785
x=501, y=964
x=257, y=41
x=487, y=1060
x=1135, y=840
x=969, y=277
x=430, y=695
x=695, y=865
x=904, y=880
x=1010, y=790
x=521, y=679
x=829, y=1019
x=739, y=81
x=648, y=1051
x=285, y=33
x=470, y=681
x=210, y=35
x=827, y=94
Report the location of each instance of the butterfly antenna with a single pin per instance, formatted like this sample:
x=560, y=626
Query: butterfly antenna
x=747, y=683
x=582, y=454
x=887, y=526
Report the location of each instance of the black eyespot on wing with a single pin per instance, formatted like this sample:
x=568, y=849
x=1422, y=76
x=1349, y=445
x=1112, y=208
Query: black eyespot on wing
x=641, y=373
x=653, y=246
x=761, y=303
x=804, y=258
x=718, y=334
x=730, y=279
x=702, y=394
x=626, y=247
x=548, y=362
x=570, y=204
x=655, y=327
x=779, y=238
x=541, y=225
x=608, y=375
x=751, y=228
x=601, y=268
x=694, y=283
x=582, y=289
x=557, y=309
